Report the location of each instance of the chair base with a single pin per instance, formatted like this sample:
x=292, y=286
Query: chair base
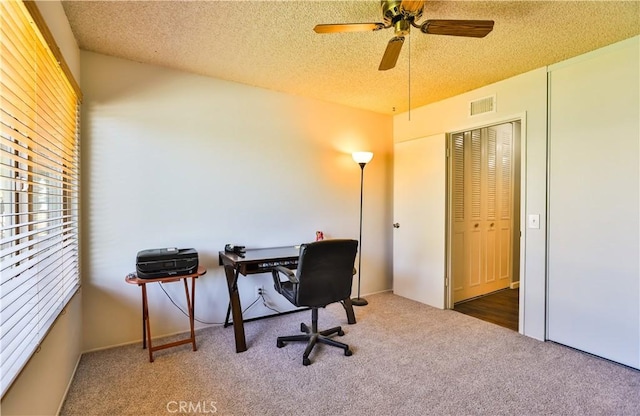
x=313, y=336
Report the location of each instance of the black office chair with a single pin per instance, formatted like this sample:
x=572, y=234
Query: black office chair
x=323, y=276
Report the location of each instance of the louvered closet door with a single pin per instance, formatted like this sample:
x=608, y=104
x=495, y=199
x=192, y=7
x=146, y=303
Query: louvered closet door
x=482, y=208
x=505, y=190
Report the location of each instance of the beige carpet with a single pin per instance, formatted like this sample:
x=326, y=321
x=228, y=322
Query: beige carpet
x=408, y=359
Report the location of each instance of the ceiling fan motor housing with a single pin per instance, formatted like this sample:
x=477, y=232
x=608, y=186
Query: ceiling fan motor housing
x=391, y=10
x=396, y=15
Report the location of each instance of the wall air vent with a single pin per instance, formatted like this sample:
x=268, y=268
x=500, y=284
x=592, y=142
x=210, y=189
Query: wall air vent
x=482, y=106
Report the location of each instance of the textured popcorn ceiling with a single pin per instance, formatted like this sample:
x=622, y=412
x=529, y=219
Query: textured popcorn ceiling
x=271, y=44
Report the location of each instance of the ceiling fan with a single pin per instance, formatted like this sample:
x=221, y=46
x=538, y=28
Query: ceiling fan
x=401, y=15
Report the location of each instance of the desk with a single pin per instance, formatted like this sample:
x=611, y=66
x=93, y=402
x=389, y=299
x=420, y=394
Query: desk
x=255, y=261
x=146, y=324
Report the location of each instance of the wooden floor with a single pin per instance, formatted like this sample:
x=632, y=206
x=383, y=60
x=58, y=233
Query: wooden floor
x=500, y=308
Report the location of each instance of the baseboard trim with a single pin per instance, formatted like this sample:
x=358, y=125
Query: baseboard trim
x=66, y=391
x=514, y=285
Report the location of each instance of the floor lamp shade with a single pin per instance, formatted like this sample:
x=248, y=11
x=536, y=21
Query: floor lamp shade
x=361, y=158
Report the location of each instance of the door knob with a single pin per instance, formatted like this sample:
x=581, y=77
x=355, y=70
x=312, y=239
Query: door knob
x=396, y=225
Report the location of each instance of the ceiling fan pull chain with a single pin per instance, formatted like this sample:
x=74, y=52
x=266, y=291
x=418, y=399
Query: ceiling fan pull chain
x=409, y=78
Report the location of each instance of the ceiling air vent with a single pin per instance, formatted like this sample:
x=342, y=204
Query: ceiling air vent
x=482, y=106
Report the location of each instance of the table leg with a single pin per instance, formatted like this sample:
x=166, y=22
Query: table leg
x=236, y=309
x=191, y=308
x=145, y=318
x=348, y=306
x=226, y=320
x=144, y=323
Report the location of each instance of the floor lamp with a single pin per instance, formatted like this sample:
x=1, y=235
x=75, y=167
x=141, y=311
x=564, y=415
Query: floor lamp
x=361, y=158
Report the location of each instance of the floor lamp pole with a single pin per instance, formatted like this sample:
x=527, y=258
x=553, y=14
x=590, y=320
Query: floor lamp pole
x=360, y=301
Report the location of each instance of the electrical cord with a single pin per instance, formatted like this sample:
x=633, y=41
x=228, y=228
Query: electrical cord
x=214, y=323
x=264, y=303
x=182, y=310
x=252, y=303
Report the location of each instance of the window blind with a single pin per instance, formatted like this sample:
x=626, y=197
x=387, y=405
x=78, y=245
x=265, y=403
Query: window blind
x=39, y=186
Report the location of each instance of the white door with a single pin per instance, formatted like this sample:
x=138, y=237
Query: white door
x=419, y=209
x=481, y=210
x=594, y=193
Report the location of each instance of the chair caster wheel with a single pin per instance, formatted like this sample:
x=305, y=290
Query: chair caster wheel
x=348, y=353
x=279, y=344
x=340, y=333
x=306, y=361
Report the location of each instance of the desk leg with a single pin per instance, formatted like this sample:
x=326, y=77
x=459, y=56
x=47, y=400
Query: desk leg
x=226, y=320
x=236, y=308
x=191, y=308
x=348, y=306
x=145, y=319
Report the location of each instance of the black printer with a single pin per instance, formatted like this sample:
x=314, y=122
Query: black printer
x=164, y=262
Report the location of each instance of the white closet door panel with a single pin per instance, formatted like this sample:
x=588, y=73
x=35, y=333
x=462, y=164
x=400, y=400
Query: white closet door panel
x=419, y=193
x=475, y=259
x=458, y=263
x=594, y=205
x=505, y=266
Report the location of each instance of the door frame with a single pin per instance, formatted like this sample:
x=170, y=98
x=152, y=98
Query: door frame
x=522, y=118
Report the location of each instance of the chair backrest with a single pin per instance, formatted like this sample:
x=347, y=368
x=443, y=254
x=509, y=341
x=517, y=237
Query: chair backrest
x=325, y=271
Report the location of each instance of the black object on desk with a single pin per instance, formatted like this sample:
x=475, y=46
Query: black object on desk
x=163, y=262
x=254, y=261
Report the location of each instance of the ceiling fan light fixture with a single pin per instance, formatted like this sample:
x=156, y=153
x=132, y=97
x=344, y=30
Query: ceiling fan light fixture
x=413, y=9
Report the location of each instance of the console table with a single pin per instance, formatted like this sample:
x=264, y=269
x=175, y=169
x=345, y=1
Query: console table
x=253, y=261
x=146, y=324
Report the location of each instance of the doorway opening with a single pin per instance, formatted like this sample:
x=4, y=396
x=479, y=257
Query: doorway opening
x=483, y=233
x=500, y=308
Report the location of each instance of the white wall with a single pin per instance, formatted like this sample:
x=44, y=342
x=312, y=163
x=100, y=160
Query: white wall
x=523, y=96
x=176, y=159
x=41, y=386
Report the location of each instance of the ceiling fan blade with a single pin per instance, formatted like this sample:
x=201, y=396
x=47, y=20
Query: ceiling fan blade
x=348, y=27
x=470, y=28
x=391, y=54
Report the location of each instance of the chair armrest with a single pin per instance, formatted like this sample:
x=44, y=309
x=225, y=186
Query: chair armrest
x=276, y=277
x=290, y=274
